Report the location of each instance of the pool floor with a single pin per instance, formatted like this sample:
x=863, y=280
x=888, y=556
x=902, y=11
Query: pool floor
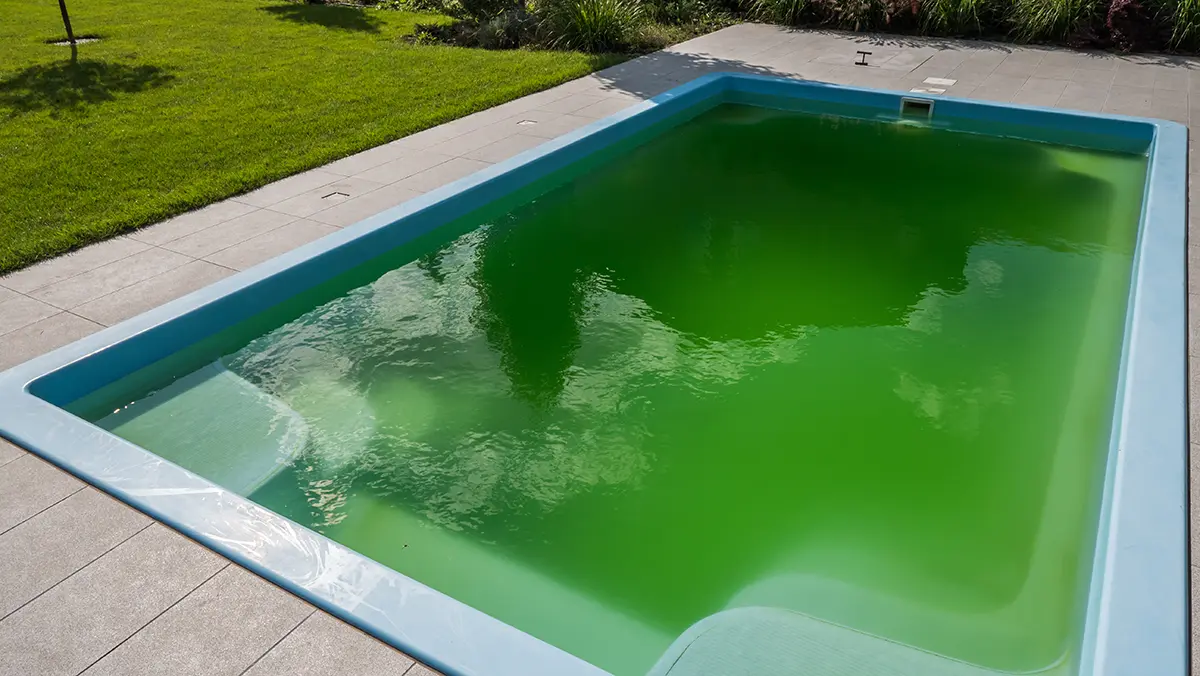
x=763, y=359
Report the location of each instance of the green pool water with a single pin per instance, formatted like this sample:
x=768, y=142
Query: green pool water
x=860, y=370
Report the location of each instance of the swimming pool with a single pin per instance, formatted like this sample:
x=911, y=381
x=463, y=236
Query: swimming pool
x=753, y=344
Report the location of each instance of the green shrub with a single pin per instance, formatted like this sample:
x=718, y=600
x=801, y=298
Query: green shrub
x=436, y=6
x=954, y=16
x=867, y=14
x=786, y=12
x=677, y=12
x=1051, y=19
x=505, y=31
x=482, y=11
x=855, y=14
x=729, y=8
x=591, y=25
x=1134, y=25
x=653, y=36
x=1185, y=25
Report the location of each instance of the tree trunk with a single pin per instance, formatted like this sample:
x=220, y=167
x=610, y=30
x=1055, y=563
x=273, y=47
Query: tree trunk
x=62, y=6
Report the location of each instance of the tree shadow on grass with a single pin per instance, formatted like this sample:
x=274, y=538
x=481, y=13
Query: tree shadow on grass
x=340, y=17
x=73, y=85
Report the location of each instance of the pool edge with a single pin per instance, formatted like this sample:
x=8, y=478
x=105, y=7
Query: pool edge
x=1138, y=611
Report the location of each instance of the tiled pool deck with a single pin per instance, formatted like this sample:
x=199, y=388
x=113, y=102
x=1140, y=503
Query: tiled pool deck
x=88, y=585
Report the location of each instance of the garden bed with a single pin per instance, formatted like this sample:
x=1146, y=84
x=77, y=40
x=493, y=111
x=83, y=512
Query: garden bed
x=642, y=25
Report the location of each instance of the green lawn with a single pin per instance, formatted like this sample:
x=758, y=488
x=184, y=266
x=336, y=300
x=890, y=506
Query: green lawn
x=184, y=103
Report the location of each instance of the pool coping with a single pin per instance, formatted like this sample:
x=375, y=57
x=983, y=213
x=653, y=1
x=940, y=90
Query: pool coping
x=1137, y=616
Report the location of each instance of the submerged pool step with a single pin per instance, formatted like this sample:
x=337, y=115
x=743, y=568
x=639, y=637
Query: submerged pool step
x=216, y=424
x=779, y=642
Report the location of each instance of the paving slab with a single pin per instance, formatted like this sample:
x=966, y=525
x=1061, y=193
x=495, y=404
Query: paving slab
x=21, y=311
x=555, y=126
x=42, y=336
x=422, y=670
x=29, y=485
x=505, y=148
x=367, y=159
x=219, y=629
x=65, y=538
x=56, y=269
x=357, y=208
x=79, y=621
x=75, y=291
x=1018, y=68
x=312, y=201
x=1194, y=329
x=325, y=646
x=150, y=293
x=412, y=162
x=270, y=244
x=572, y=103
x=1195, y=633
x=1091, y=76
x=191, y=222
x=1194, y=498
x=442, y=174
x=9, y=452
x=211, y=240
x=288, y=188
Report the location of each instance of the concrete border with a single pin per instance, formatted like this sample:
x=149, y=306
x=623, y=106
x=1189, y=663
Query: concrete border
x=1137, y=616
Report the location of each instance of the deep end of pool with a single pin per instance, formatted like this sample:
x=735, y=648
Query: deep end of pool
x=1108, y=318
